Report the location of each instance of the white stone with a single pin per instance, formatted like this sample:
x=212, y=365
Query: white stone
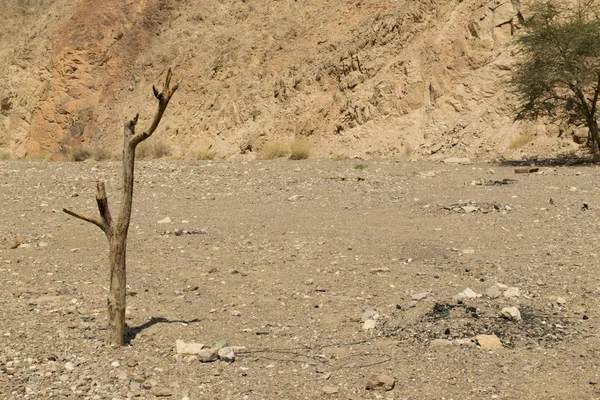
x=419, y=296
x=166, y=220
x=511, y=313
x=226, y=354
x=468, y=293
x=369, y=324
x=182, y=347
x=512, y=292
x=370, y=314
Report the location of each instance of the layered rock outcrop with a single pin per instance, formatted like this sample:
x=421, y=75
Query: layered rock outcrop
x=360, y=77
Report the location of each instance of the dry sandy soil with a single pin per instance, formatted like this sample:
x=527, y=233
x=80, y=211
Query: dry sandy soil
x=284, y=258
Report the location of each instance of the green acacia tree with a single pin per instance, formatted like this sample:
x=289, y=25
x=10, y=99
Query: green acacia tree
x=558, y=72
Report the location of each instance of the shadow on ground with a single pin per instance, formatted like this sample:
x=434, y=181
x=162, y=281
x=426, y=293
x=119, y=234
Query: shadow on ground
x=561, y=160
x=133, y=331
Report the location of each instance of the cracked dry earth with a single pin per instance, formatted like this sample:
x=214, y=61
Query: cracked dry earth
x=286, y=259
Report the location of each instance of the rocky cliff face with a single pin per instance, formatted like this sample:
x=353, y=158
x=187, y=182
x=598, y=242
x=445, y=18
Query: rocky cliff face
x=357, y=77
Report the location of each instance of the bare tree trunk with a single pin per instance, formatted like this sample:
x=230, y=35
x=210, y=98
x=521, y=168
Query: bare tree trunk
x=595, y=141
x=116, y=295
x=116, y=232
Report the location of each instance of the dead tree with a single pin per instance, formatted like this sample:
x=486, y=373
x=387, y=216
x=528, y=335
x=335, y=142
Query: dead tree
x=116, y=231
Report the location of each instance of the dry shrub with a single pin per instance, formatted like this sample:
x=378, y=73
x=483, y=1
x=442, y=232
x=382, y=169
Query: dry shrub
x=519, y=142
x=5, y=156
x=80, y=153
x=100, y=154
x=300, y=149
x=273, y=150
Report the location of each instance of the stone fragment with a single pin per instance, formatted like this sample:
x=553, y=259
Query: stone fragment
x=162, y=392
x=561, y=301
x=511, y=313
x=457, y=160
x=503, y=14
x=419, y=296
x=380, y=270
x=526, y=170
x=488, y=342
x=493, y=292
x=380, y=382
x=330, y=389
x=165, y=220
x=369, y=324
x=208, y=355
x=226, y=354
x=440, y=343
x=182, y=347
x=69, y=366
x=468, y=293
x=369, y=314
x=512, y=292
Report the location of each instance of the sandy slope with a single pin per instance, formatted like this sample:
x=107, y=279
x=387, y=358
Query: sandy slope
x=368, y=78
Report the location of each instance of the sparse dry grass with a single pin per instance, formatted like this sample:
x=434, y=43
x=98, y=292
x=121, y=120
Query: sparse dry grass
x=339, y=157
x=300, y=149
x=519, y=142
x=361, y=166
x=273, y=150
x=5, y=156
x=152, y=149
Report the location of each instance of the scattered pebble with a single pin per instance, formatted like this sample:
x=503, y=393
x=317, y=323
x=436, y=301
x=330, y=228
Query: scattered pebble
x=468, y=293
x=511, y=313
x=419, y=296
x=440, y=343
x=380, y=382
x=493, y=292
x=226, y=354
x=370, y=314
x=182, y=347
x=208, y=355
x=369, y=325
x=330, y=389
x=488, y=342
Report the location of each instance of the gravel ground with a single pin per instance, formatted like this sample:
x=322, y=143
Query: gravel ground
x=325, y=272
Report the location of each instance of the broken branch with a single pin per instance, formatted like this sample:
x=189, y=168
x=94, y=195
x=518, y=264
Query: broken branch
x=85, y=217
x=163, y=101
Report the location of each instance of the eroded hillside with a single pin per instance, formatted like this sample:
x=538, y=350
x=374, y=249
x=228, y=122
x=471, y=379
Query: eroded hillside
x=359, y=77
